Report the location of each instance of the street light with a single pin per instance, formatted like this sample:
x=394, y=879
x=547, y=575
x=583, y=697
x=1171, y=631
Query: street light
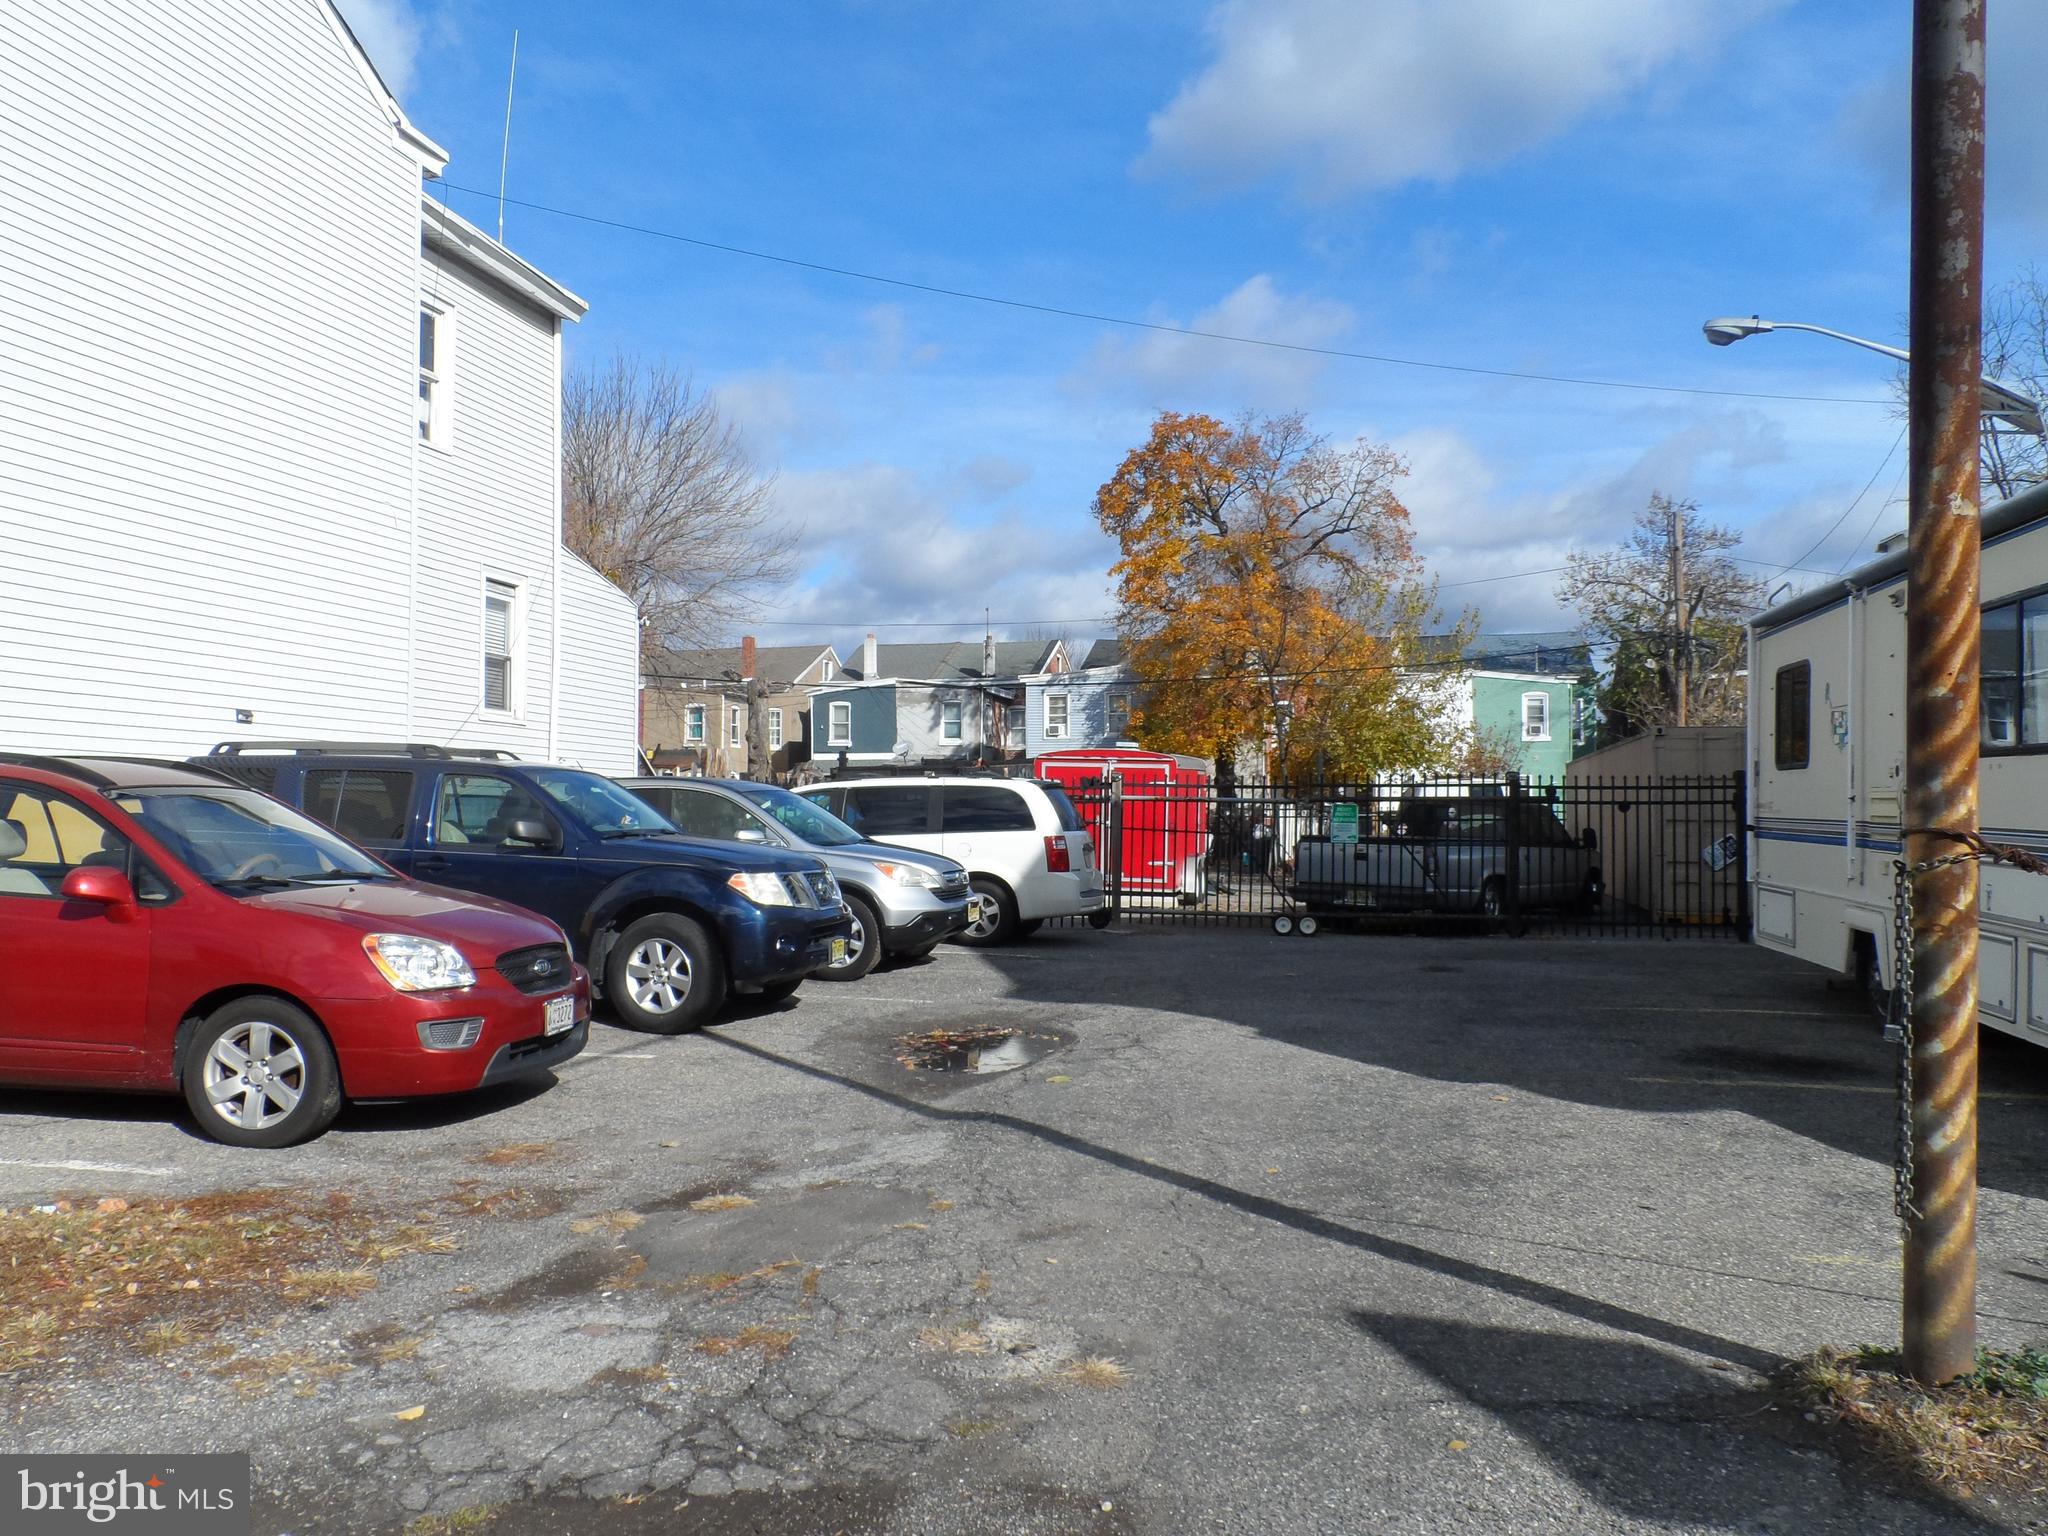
x=1997, y=400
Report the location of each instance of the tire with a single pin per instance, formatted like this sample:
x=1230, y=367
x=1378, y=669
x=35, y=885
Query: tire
x=905, y=956
x=1307, y=927
x=1283, y=925
x=1098, y=920
x=1029, y=926
x=999, y=928
x=665, y=949
x=1869, y=981
x=1493, y=897
x=781, y=991
x=863, y=946
x=260, y=1072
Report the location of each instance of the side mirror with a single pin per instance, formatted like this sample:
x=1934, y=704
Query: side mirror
x=530, y=830
x=108, y=887
x=750, y=835
x=1589, y=840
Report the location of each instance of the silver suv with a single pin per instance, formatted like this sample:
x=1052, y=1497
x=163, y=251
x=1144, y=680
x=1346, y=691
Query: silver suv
x=903, y=901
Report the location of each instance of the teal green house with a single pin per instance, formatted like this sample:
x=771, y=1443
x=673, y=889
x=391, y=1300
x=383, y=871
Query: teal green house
x=1532, y=697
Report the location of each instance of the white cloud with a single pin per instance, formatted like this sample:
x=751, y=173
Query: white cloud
x=389, y=31
x=1164, y=368
x=1469, y=526
x=1342, y=95
x=883, y=546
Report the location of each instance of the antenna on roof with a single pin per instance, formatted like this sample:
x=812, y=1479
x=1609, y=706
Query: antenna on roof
x=505, y=146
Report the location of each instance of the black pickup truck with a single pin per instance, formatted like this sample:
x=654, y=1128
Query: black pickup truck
x=668, y=925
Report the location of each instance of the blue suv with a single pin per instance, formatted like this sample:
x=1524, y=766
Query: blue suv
x=668, y=925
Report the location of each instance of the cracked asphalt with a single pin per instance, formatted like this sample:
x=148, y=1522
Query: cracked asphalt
x=1389, y=1234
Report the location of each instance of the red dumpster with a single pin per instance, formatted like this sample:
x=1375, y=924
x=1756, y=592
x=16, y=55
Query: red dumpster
x=1167, y=803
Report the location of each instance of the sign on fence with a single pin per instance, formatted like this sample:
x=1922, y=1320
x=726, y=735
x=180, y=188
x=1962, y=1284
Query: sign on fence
x=1722, y=852
x=1344, y=822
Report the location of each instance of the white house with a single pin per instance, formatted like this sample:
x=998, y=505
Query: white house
x=279, y=436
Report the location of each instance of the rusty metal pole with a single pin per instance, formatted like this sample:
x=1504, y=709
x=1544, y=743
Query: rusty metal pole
x=1942, y=643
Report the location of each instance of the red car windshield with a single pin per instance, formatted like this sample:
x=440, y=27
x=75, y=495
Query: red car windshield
x=232, y=837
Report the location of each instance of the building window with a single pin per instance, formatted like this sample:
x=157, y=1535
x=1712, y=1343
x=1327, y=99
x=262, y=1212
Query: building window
x=775, y=730
x=1013, y=725
x=1119, y=713
x=839, y=723
x=1055, y=717
x=1792, y=700
x=1582, y=720
x=2015, y=675
x=693, y=725
x=1535, y=717
x=437, y=376
x=736, y=731
x=501, y=645
x=949, y=720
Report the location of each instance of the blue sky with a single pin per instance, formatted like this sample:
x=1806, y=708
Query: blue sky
x=1566, y=188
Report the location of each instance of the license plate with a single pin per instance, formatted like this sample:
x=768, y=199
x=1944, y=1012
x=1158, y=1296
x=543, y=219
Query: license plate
x=560, y=1015
x=974, y=909
x=839, y=951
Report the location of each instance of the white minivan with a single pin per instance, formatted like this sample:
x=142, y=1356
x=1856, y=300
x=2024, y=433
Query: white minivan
x=1027, y=852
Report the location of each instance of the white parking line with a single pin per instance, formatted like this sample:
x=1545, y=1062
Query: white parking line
x=73, y=1166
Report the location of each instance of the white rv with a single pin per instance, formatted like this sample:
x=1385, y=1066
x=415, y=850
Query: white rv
x=1827, y=753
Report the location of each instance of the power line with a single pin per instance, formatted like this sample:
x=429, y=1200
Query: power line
x=1882, y=508
x=1067, y=313
x=1881, y=464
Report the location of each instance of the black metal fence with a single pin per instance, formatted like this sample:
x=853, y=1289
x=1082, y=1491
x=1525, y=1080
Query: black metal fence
x=1663, y=856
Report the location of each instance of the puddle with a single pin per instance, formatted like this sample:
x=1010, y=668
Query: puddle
x=971, y=1050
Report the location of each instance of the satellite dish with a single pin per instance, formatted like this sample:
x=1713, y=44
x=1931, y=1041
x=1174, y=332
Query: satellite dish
x=901, y=749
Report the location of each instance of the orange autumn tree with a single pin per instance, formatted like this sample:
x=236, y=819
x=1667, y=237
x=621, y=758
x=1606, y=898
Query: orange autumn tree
x=1270, y=596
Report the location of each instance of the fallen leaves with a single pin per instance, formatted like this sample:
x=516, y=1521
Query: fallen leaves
x=407, y=1415
x=770, y=1343
x=954, y=1341
x=515, y=1153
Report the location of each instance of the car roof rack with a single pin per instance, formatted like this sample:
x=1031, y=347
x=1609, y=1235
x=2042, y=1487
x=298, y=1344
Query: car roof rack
x=358, y=749
x=78, y=767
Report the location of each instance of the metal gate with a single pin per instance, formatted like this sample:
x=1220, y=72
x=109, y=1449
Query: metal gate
x=1574, y=856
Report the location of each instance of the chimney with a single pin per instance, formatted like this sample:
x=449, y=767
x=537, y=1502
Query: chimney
x=746, y=658
x=870, y=660
x=988, y=653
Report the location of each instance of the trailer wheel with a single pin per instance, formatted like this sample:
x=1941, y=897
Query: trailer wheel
x=1283, y=925
x=1308, y=927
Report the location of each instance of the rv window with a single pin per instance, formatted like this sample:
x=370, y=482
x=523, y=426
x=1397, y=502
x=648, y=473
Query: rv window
x=1794, y=700
x=2015, y=675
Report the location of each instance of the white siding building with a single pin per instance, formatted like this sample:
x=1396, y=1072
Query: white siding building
x=241, y=495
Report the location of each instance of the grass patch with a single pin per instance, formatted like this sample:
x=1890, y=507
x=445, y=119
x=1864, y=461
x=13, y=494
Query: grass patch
x=1987, y=1430
x=256, y=1375
x=770, y=1343
x=725, y=1280
x=159, y=1273
x=1097, y=1371
x=466, y=1521
x=609, y=1221
x=721, y=1203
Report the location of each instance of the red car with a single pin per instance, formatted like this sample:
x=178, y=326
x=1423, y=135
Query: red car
x=167, y=928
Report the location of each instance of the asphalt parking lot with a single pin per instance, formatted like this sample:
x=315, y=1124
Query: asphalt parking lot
x=1380, y=1234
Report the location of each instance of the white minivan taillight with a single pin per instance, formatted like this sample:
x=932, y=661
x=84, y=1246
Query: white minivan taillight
x=1056, y=855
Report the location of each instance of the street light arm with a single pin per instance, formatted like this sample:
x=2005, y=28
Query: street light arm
x=1996, y=399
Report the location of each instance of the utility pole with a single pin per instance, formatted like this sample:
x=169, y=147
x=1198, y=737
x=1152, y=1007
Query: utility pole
x=1682, y=618
x=1943, y=639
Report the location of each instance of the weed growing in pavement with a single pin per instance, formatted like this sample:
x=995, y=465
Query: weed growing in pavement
x=721, y=1203
x=1097, y=1371
x=954, y=1341
x=610, y=1221
x=1988, y=1429
x=164, y=1271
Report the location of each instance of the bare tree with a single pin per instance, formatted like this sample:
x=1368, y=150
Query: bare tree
x=660, y=495
x=1669, y=605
